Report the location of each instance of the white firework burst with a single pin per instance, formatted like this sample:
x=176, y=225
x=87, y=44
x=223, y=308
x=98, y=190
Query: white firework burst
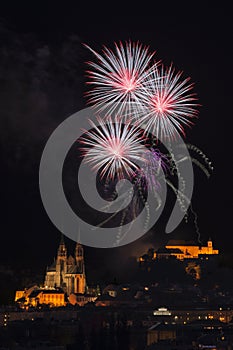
x=118, y=77
x=113, y=148
x=168, y=103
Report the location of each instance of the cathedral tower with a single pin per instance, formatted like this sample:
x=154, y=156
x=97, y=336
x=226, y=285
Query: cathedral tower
x=80, y=278
x=61, y=263
x=79, y=257
x=62, y=252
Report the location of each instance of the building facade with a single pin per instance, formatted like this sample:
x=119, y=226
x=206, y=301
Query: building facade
x=189, y=250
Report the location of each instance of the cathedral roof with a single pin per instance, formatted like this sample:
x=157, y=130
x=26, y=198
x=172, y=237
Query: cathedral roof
x=52, y=267
x=74, y=270
x=62, y=242
x=169, y=251
x=70, y=260
x=175, y=251
x=52, y=291
x=35, y=293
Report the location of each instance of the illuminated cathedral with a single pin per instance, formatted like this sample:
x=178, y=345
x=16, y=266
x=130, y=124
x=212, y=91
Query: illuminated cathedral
x=67, y=272
x=65, y=277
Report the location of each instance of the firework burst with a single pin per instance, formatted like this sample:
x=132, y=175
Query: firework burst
x=149, y=175
x=168, y=103
x=118, y=77
x=113, y=148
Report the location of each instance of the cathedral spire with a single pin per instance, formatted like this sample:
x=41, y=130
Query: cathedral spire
x=62, y=248
x=62, y=242
x=79, y=256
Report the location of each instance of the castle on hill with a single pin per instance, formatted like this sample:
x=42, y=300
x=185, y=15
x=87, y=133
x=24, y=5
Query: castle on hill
x=186, y=251
x=183, y=250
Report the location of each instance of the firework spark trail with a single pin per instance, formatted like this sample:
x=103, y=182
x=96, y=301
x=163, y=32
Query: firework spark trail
x=196, y=224
x=115, y=199
x=148, y=177
x=207, y=173
x=168, y=103
x=201, y=154
x=179, y=195
x=119, y=198
x=144, y=203
x=205, y=170
x=138, y=199
x=155, y=162
x=181, y=198
x=140, y=188
x=175, y=170
x=124, y=215
x=118, y=77
x=136, y=203
x=178, y=192
x=195, y=161
x=113, y=148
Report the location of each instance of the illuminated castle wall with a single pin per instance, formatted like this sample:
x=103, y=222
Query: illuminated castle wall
x=183, y=250
x=190, y=251
x=35, y=296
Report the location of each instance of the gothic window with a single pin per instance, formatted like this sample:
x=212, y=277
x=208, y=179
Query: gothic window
x=77, y=285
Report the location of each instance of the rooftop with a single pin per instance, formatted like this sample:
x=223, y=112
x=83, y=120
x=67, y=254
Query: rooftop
x=181, y=242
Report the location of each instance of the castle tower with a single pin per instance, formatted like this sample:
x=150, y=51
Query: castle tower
x=209, y=243
x=210, y=246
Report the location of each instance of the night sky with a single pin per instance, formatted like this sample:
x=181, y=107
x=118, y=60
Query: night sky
x=42, y=82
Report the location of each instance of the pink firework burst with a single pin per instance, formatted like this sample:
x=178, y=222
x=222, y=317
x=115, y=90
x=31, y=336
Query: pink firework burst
x=168, y=103
x=118, y=77
x=113, y=148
